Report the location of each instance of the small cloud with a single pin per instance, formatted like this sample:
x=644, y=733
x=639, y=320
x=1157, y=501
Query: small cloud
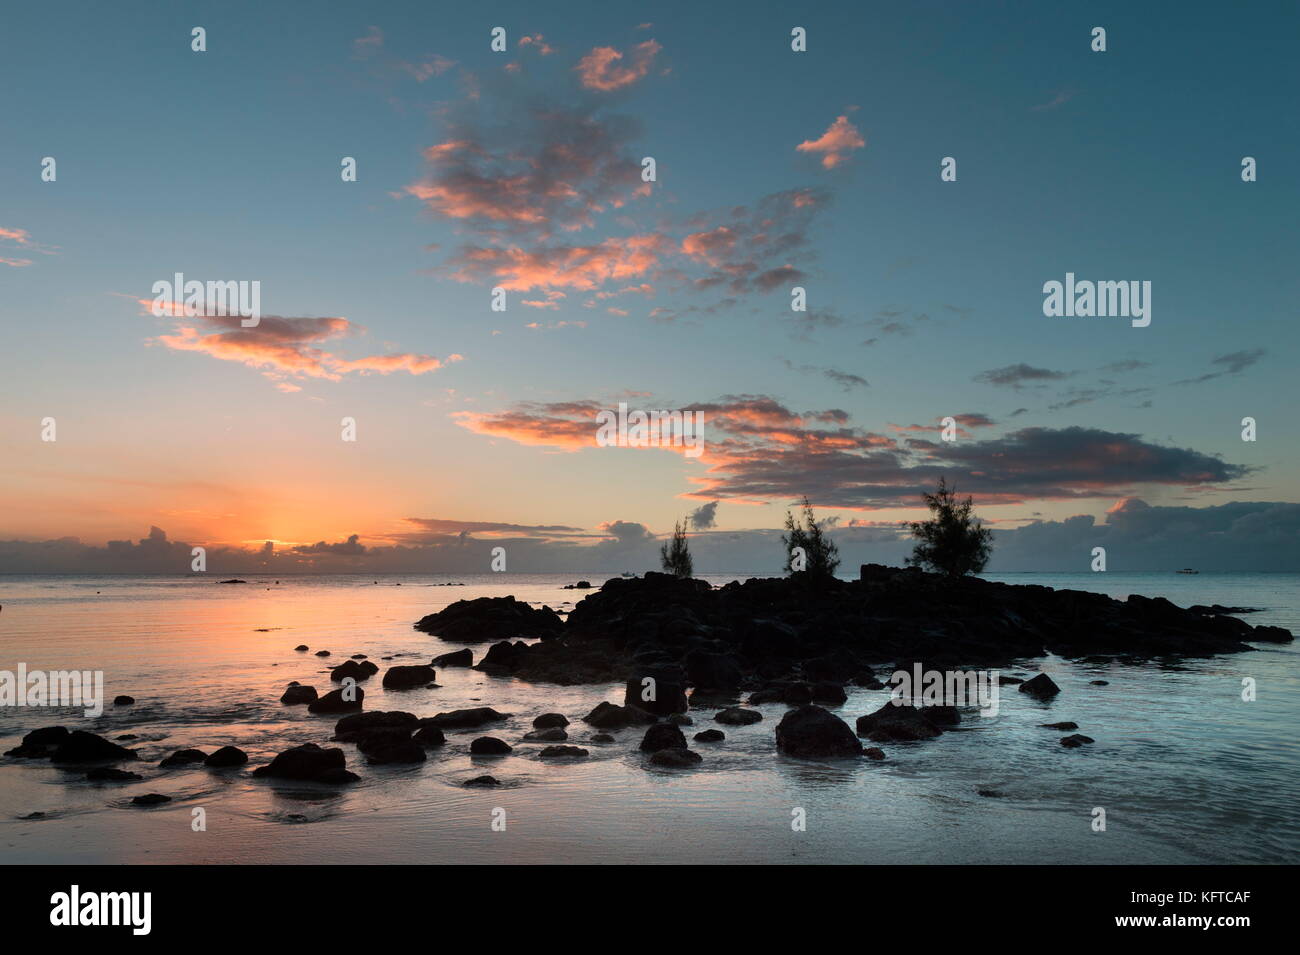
x=834, y=144
x=604, y=67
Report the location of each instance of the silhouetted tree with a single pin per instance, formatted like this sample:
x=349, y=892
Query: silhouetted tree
x=952, y=542
x=819, y=556
x=676, y=555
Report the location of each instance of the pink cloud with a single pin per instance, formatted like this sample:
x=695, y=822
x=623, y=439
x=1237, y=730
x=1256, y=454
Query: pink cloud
x=834, y=144
x=604, y=67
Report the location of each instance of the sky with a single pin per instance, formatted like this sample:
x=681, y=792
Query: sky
x=523, y=170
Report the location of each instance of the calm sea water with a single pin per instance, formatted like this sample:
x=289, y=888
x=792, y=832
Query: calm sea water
x=1186, y=771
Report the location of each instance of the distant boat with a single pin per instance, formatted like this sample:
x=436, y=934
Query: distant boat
x=1187, y=570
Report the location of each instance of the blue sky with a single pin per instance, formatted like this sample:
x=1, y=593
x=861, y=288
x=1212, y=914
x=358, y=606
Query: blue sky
x=225, y=165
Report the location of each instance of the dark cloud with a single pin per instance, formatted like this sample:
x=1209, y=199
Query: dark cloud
x=1018, y=375
x=704, y=516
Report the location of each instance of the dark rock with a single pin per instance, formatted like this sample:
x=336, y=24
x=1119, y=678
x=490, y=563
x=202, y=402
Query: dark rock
x=874, y=753
x=1041, y=687
x=406, y=677
x=154, y=799
x=482, y=781
x=679, y=719
x=904, y=722
x=359, y=726
x=552, y=735
x=362, y=670
x=1009, y=680
x=40, y=743
x=457, y=658
x=548, y=720
x=183, y=757
x=705, y=670
x=491, y=618
x=602, y=738
x=429, y=736
x=675, y=758
x=668, y=691
x=609, y=716
x=1071, y=742
x=990, y=793
x=554, y=752
x=296, y=695
x=738, y=716
x=322, y=653
x=226, y=757
x=302, y=648
x=308, y=762
x=1100, y=683
x=464, y=719
x=710, y=736
x=829, y=693
x=105, y=774
x=1059, y=726
x=662, y=736
x=82, y=747
x=810, y=731
x=334, y=702
x=123, y=700
x=489, y=746
x=379, y=752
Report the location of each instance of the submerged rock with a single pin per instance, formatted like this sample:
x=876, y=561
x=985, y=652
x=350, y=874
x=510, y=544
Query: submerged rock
x=464, y=719
x=874, y=752
x=677, y=758
x=738, y=716
x=810, y=731
x=1078, y=739
x=552, y=735
x=553, y=752
x=105, y=774
x=482, y=781
x=152, y=799
x=380, y=752
x=1059, y=726
x=710, y=736
x=359, y=726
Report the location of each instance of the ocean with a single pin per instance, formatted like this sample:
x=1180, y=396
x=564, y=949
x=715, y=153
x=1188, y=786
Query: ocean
x=1184, y=769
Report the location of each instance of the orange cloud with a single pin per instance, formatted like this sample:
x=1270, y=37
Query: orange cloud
x=835, y=144
x=603, y=68
x=579, y=267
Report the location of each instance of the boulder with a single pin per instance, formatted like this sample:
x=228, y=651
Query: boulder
x=482, y=781
x=123, y=700
x=552, y=735
x=1041, y=687
x=183, y=757
x=491, y=618
x=609, y=716
x=379, y=752
x=226, y=757
x=1060, y=726
x=710, y=736
x=489, y=746
x=662, y=736
x=40, y=743
x=548, y=720
x=428, y=735
x=810, y=731
x=1075, y=741
x=504, y=657
x=82, y=747
x=151, y=799
x=874, y=752
x=296, y=695
x=359, y=726
x=308, y=762
x=457, y=658
x=356, y=670
x=407, y=677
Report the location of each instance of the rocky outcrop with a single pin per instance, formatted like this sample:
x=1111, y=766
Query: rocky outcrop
x=662, y=736
x=82, y=747
x=226, y=757
x=1040, y=687
x=354, y=669
x=895, y=722
x=491, y=618
x=457, y=658
x=336, y=701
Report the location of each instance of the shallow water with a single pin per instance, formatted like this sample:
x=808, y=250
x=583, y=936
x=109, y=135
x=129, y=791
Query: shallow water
x=1186, y=771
